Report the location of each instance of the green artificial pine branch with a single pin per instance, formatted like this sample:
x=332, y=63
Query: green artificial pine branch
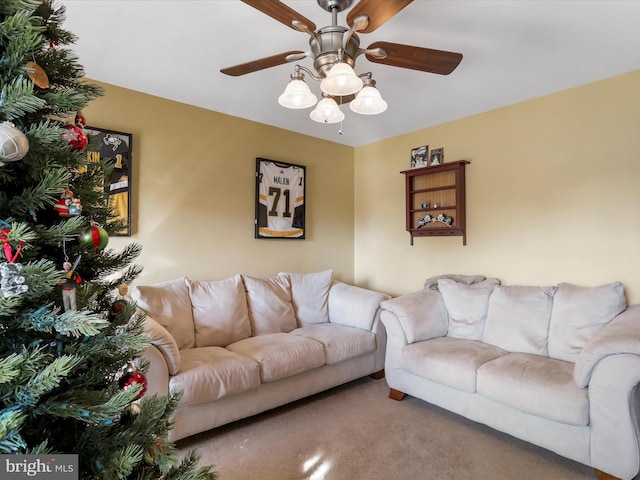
x=67, y=383
x=18, y=99
x=46, y=380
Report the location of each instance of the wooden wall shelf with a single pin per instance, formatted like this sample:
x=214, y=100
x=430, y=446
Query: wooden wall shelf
x=436, y=200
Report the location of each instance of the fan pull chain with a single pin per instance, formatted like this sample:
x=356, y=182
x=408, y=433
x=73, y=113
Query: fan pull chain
x=340, y=132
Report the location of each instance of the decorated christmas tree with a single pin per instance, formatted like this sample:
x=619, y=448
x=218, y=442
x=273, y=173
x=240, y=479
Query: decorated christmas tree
x=70, y=378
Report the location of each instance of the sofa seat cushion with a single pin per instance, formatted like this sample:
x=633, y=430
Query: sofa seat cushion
x=538, y=385
x=281, y=355
x=210, y=373
x=340, y=343
x=448, y=360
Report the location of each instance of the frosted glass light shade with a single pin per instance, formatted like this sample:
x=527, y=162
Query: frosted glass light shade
x=327, y=111
x=341, y=80
x=297, y=95
x=368, y=102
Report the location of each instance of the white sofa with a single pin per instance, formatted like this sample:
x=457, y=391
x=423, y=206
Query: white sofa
x=243, y=345
x=556, y=366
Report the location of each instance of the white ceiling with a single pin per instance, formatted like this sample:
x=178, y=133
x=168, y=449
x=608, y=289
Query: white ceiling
x=513, y=50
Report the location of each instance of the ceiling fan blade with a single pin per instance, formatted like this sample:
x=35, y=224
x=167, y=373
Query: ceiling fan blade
x=281, y=12
x=377, y=11
x=259, y=64
x=416, y=58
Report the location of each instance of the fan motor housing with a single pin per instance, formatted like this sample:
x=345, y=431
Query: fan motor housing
x=325, y=45
x=338, y=5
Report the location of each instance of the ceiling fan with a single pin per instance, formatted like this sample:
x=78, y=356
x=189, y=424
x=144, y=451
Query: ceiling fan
x=336, y=43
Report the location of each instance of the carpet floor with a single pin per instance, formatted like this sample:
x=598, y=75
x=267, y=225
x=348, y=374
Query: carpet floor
x=355, y=432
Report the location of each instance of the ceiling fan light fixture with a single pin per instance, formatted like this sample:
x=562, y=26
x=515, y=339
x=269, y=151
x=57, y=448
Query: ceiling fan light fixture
x=327, y=111
x=368, y=101
x=341, y=81
x=297, y=95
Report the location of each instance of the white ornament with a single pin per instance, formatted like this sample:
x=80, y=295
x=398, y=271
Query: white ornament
x=11, y=282
x=14, y=144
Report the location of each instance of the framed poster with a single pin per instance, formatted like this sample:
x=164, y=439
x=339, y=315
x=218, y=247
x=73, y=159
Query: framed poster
x=280, y=202
x=115, y=147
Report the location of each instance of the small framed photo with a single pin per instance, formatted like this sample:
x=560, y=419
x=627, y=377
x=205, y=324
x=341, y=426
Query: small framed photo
x=419, y=156
x=436, y=157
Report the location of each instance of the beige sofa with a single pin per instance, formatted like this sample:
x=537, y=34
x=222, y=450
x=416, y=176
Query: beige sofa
x=556, y=366
x=243, y=345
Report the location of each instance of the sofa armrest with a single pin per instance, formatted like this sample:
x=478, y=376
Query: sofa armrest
x=165, y=343
x=353, y=306
x=158, y=373
x=620, y=336
x=614, y=399
x=422, y=315
x=396, y=341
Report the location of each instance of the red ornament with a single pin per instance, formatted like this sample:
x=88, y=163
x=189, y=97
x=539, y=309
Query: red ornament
x=80, y=121
x=95, y=236
x=68, y=206
x=76, y=137
x=116, y=309
x=133, y=377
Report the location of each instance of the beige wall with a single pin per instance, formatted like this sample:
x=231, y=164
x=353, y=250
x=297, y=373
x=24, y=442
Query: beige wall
x=194, y=187
x=553, y=195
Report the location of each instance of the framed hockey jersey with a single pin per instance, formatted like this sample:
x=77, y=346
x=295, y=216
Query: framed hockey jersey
x=114, y=147
x=280, y=202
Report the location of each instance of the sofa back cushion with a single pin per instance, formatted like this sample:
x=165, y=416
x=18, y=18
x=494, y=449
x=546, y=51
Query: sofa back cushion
x=168, y=304
x=269, y=302
x=518, y=318
x=220, y=313
x=579, y=313
x=466, y=306
x=310, y=295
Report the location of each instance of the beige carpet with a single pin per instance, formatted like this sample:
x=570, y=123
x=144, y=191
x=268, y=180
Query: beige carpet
x=356, y=432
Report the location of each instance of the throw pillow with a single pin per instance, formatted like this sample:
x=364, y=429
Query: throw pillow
x=168, y=304
x=579, y=313
x=310, y=295
x=220, y=313
x=270, y=307
x=518, y=318
x=467, y=306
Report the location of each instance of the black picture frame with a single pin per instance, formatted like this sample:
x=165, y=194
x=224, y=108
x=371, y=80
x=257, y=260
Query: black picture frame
x=280, y=200
x=117, y=147
x=419, y=157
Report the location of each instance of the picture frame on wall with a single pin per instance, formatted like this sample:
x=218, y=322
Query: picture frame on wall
x=436, y=157
x=419, y=156
x=115, y=147
x=280, y=200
